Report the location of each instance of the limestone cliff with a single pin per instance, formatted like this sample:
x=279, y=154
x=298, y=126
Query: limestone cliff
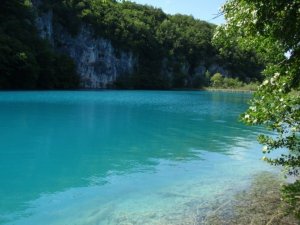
x=98, y=62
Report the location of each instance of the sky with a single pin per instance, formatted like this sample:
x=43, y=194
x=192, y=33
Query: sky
x=200, y=9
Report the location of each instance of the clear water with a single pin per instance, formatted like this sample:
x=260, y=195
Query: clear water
x=121, y=157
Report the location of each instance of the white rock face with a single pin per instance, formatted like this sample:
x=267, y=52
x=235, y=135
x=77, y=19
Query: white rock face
x=96, y=59
x=45, y=26
x=98, y=63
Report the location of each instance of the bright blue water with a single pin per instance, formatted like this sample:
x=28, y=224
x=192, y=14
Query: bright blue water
x=121, y=157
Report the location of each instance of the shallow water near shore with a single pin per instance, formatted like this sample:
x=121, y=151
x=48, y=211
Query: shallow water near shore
x=122, y=157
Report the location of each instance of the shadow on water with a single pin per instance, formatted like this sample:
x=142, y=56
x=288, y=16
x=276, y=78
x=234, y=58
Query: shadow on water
x=52, y=141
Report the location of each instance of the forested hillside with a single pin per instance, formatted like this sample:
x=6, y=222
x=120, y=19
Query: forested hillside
x=171, y=51
x=27, y=61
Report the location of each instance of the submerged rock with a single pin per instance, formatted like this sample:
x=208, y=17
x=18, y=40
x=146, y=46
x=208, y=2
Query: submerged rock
x=259, y=205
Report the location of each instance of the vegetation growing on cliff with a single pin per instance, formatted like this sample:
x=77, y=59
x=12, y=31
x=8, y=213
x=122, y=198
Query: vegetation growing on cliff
x=173, y=51
x=26, y=61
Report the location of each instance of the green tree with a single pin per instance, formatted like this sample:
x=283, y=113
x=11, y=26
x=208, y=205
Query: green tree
x=217, y=80
x=229, y=82
x=272, y=28
x=27, y=61
x=164, y=44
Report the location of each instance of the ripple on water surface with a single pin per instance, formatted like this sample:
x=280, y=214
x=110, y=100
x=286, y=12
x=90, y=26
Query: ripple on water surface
x=121, y=157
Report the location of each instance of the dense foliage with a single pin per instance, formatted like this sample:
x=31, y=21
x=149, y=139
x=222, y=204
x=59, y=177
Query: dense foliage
x=26, y=61
x=273, y=29
x=170, y=49
x=221, y=82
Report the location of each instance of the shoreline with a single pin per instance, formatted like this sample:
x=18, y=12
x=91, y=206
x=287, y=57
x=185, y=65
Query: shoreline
x=259, y=204
x=116, y=89
x=229, y=90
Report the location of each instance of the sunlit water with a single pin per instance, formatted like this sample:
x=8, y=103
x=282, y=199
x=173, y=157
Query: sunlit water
x=122, y=157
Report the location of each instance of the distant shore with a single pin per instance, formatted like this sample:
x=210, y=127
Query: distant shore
x=118, y=89
x=228, y=89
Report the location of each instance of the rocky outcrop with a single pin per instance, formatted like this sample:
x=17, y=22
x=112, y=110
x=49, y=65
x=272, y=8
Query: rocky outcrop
x=45, y=26
x=98, y=62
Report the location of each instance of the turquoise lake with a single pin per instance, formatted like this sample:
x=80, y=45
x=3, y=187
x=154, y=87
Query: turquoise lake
x=122, y=157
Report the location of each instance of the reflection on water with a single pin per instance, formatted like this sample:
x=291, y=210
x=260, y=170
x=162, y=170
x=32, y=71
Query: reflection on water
x=113, y=157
